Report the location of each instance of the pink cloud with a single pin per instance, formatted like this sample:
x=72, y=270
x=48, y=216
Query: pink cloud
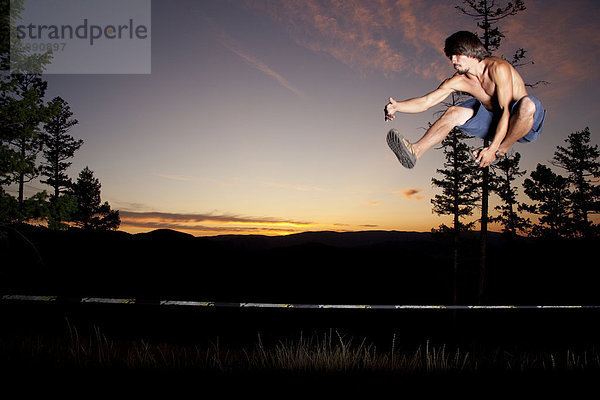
x=368, y=36
x=410, y=193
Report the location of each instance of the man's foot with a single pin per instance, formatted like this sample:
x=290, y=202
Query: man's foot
x=403, y=149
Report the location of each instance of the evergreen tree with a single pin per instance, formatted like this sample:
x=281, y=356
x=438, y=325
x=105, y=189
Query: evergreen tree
x=551, y=193
x=21, y=95
x=580, y=160
x=488, y=13
x=509, y=217
x=460, y=192
x=60, y=211
x=9, y=208
x=91, y=213
x=14, y=56
x=9, y=156
x=21, y=111
x=24, y=134
x=59, y=146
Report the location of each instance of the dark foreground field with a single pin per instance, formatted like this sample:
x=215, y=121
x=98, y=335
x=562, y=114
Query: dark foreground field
x=338, y=348
x=217, y=346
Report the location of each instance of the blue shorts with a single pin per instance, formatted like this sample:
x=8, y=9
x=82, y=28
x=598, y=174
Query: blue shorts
x=483, y=123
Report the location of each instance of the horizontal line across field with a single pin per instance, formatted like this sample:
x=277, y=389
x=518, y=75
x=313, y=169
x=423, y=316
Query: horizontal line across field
x=167, y=303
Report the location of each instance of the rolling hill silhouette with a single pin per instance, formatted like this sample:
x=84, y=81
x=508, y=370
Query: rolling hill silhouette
x=369, y=267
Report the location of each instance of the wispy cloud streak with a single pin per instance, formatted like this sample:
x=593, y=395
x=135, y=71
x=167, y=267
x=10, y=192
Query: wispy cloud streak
x=131, y=216
x=179, y=178
x=209, y=223
x=206, y=229
x=234, y=46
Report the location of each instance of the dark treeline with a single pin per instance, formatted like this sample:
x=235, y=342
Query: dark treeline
x=31, y=126
x=370, y=267
x=562, y=203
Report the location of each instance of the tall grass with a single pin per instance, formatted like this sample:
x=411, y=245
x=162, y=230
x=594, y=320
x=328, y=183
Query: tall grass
x=319, y=353
x=333, y=353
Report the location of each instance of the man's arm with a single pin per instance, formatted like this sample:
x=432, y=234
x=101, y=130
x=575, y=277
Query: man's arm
x=502, y=77
x=419, y=104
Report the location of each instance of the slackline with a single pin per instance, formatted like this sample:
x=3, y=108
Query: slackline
x=215, y=304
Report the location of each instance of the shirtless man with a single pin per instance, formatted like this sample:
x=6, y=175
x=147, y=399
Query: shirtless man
x=500, y=110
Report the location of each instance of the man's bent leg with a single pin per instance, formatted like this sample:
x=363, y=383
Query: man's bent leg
x=454, y=116
x=519, y=125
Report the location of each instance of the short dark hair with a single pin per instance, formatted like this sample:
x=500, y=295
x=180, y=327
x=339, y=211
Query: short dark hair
x=464, y=43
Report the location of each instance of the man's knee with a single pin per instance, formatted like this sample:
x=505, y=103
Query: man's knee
x=458, y=115
x=526, y=108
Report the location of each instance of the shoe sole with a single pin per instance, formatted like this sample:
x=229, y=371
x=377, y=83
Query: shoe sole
x=403, y=153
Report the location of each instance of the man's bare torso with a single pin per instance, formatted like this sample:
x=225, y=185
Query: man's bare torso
x=484, y=89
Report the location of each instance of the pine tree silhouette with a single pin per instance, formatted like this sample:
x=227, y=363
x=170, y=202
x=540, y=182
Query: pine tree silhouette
x=91, y=213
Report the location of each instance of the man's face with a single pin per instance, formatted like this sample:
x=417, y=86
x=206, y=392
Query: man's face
x=461, y=63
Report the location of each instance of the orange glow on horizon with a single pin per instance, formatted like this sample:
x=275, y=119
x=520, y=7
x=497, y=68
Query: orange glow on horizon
x=276, y=228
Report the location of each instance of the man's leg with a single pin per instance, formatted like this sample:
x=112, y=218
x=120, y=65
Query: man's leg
x=520, y=124
x=454, y=116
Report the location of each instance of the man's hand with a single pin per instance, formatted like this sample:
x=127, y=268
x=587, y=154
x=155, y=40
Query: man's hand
x=390, y=109
x=486, y=156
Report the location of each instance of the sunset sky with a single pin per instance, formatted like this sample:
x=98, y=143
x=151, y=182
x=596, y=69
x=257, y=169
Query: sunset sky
x=264, y=116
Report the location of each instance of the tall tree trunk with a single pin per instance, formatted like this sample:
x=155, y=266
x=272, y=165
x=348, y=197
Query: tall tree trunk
x=455, y=263
x=484, y=229
x=456, y=221
x=56, y=184
x=22, y=179
x=484, y=188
